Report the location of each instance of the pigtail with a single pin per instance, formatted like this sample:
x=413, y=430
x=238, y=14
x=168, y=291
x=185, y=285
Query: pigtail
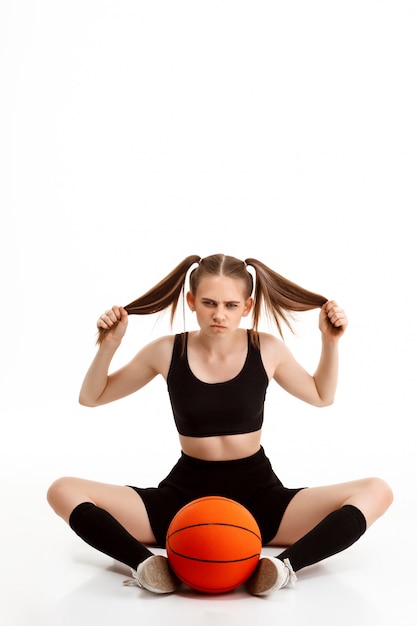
x=273, y=293
x=279, y=297
x=162, y=296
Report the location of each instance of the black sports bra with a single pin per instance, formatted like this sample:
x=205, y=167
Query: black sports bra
x=211, y=409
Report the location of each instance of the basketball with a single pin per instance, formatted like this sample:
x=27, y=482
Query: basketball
x=213, y=544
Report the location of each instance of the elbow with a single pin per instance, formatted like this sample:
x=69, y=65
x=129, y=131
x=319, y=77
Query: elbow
x=328, y=403
x=323, y=397
x=323, y=402
x=86, y=402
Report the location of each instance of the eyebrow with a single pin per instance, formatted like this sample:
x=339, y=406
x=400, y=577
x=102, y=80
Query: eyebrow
x=225, y=302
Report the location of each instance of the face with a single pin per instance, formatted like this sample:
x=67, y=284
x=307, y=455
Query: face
x=220, y=303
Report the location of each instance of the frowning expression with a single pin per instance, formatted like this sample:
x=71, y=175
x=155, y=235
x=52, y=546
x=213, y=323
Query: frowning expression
x=220, y=303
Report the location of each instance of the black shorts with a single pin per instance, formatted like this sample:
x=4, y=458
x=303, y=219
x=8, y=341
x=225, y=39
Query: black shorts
x=250, y=481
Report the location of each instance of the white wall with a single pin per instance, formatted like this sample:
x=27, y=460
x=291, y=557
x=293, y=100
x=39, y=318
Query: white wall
x=136, y=133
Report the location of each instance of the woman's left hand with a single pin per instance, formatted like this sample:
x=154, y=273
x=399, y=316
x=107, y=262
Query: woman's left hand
x=333, y=321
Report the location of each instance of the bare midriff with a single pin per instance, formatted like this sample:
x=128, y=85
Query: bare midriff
x=222, y=447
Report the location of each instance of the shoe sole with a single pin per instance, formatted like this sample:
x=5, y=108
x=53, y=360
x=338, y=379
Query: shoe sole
x=264, y=579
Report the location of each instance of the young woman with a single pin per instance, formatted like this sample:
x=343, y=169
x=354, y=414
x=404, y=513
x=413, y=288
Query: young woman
x=217, y=378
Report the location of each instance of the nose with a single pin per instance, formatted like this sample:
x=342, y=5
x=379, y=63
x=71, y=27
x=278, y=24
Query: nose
x=218, y=314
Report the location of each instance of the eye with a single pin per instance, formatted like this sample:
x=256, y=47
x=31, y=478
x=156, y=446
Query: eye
x=231, y=305
x=209, y=303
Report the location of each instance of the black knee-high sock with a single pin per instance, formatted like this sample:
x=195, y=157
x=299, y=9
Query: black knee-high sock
x=102, y=531
x=334, y=533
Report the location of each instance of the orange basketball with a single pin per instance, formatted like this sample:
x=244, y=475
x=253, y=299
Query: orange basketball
x=213, y=544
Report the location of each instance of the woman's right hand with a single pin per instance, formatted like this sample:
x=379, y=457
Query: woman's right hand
x=112, y=324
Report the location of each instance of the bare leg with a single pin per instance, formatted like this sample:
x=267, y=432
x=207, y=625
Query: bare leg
x=318, y=523
x=123, y=503
x=113, y=520
x=372, y=496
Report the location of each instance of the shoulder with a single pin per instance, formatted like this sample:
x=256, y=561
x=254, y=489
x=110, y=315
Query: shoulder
x=161, y=346
x=157, y=354
x=273, y=351
x=270, y=342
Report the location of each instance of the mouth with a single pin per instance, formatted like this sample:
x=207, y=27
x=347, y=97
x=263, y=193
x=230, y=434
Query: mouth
x=217, y=326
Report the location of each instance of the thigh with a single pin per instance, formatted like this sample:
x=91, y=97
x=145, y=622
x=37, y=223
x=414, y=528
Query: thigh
x=122, y=502
x=309, y=506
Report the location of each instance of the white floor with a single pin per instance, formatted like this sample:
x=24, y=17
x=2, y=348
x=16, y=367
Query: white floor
x=51, y=578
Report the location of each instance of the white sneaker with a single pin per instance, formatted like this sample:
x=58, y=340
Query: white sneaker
x=155, y=574
x=270, y=575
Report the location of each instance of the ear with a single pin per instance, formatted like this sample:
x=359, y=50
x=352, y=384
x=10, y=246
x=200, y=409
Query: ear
x=190, y=300
x=248, y=307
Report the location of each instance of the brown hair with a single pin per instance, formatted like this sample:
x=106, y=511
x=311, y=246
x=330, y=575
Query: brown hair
x=273, y=293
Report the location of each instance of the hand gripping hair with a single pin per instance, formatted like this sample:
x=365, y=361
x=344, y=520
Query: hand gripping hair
x=272, y=292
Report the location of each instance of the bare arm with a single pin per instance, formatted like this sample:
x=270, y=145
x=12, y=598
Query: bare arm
x=318, y=389
x=98, y=386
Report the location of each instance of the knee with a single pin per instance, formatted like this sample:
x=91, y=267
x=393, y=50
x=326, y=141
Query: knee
x=381, y=494
x=57, y=494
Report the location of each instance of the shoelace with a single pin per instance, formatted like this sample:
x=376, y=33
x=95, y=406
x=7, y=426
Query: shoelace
x=132, y=581
x=291, y=574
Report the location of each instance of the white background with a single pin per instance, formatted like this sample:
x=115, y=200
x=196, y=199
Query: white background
x=134, y=133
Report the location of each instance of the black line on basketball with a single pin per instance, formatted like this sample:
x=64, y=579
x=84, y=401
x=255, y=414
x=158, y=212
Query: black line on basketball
x=200, y=560
x=248, y=530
